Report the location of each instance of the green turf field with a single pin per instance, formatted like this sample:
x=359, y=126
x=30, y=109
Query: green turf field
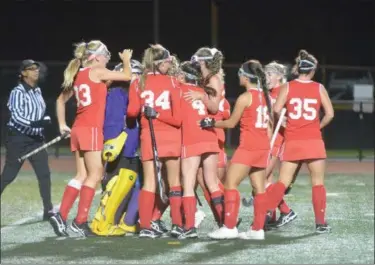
x=25, y=239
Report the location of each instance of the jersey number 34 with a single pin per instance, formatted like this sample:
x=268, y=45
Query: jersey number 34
x=161, y=101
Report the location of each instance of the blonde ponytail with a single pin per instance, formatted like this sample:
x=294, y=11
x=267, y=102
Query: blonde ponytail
x=72, y=69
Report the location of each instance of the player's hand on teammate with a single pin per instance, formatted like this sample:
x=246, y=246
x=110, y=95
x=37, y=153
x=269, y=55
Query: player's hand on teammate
x=193, y=95
x=150, y=112
x=64, y=129
x=126, y=55
x=207, y=123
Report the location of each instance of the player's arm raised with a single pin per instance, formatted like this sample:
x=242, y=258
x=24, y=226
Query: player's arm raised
x=327, y=106
x=134, y=107
x=281, y=100
x=242, y=102
x=103, y=74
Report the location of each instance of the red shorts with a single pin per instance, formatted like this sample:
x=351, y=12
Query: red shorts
x=251, y=158
x=222, y=159
x=199, y=149
x=296, y=150
x=86, y=139
x=168, y=144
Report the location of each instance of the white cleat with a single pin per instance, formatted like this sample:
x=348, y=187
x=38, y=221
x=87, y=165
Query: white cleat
x=224, y=233
x=199, y=217
x=252, y=235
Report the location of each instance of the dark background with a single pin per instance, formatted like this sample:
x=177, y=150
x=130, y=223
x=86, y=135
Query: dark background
x=336, y=32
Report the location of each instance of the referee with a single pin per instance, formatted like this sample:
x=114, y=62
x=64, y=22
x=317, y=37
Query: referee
x=25, y=132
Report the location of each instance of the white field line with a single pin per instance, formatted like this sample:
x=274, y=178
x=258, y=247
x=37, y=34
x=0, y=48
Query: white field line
x=33, y=218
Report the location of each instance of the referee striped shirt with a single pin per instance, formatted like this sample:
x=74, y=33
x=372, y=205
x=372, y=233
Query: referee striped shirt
x=26, y=104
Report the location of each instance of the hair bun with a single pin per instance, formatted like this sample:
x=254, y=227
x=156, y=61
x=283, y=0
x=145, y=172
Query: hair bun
x=303, y=54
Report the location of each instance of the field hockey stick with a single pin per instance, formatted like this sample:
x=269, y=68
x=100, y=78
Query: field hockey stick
x=197, y=197
x=157, y=164
x=44, y=146
x=249, y=202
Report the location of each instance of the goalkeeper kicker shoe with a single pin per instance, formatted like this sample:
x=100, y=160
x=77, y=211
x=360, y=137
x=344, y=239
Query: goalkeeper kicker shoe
x=58, y=225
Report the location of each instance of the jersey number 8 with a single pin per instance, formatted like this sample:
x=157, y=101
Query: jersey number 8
x=83, y=95
x=198, y=105
x=162, y=101
x=303, y=108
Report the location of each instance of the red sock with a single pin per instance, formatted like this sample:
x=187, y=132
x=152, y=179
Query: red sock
x=175, y=200
x=283, y=207
x=190, y=207
x=232, y=207
x=159, y=208
x=85, y=199
x=319, y=199
x=217, y=198
x=70, y=195
x=260, y=211
x=274, y=195
x=146, y=201
x=207, y=196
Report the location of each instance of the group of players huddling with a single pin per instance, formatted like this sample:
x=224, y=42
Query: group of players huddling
x=182, y=108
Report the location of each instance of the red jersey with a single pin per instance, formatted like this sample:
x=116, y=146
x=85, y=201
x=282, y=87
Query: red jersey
x=303, y=105
x=162, y=92
x=254, y=124
x=220, y=116
x=192, y=112
x=91, y=99
x=280, y=135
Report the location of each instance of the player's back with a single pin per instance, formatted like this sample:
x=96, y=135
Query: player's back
x=303, y=106
x=157, y=93
x=254, y=123
x=91, y=99
x=192, y=112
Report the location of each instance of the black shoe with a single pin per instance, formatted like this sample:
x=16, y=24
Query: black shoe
x=159, y=226
x=47, y=214
x=58, y=225
x=176, y=231
x=82, y=229
x=268, y=224
x=190, y=233
x=149, y=233
x=322, y=228
x=286, y=218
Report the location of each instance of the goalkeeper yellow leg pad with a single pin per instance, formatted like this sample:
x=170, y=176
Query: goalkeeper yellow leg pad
x=124, y=183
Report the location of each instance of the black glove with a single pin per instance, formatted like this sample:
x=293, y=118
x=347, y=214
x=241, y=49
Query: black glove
x=41, y=123
x=150, y=112
x=207, y=123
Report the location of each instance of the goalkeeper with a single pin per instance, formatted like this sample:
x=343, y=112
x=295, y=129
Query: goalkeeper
x=117, y=213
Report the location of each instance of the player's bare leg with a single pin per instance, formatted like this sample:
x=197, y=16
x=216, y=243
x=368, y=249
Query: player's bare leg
x=175, y=194
x=199, y=214
x=94, y=167
x=209, y=163
x=147, y=201
x=189, y=167
x=235, y=174
x=319, y=195
x=257, y=179
x=58, y=220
